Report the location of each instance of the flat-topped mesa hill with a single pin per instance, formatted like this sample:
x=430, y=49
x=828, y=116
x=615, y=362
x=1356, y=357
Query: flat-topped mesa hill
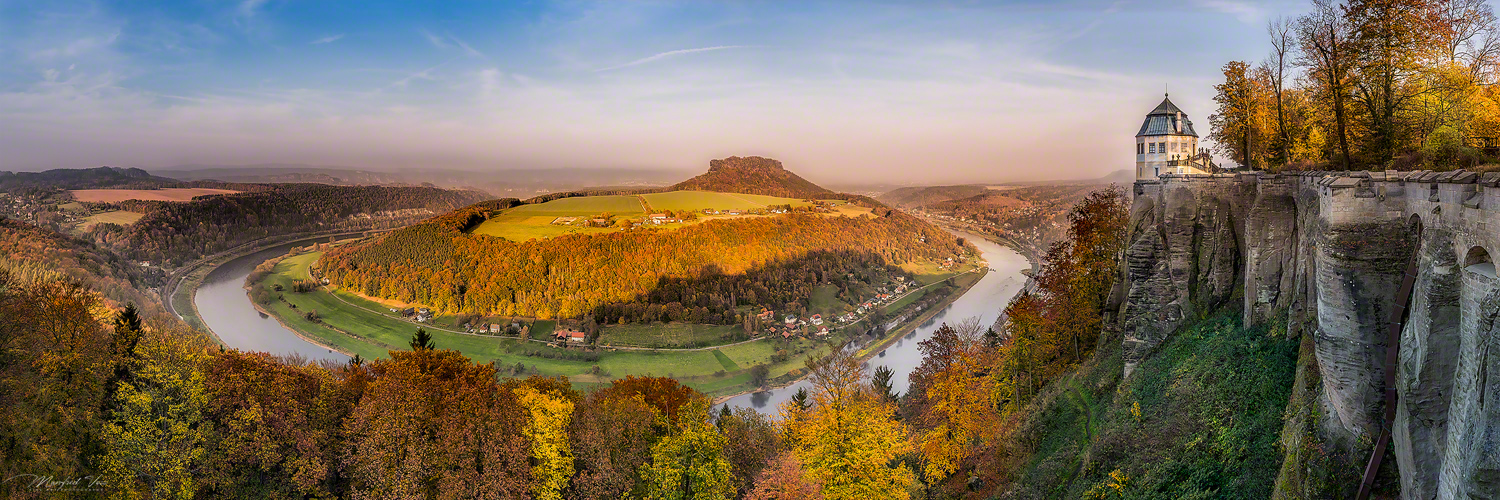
x=752, y=175
x=564, y=257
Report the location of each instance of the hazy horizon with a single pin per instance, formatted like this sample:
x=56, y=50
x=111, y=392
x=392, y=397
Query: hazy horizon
x=885, y=92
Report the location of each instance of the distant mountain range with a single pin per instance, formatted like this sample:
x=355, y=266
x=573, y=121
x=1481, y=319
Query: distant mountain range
x=519, y=183
x=84, y=178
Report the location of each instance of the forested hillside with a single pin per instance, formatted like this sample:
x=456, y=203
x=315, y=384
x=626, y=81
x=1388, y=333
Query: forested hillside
x=437, y=264
x=179, y=232
x=86, y=178
x=913, y=197
x=712, y=295
x=32, y=253
x=752, y=175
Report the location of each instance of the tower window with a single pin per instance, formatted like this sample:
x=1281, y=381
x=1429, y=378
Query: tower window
x=1153, y=148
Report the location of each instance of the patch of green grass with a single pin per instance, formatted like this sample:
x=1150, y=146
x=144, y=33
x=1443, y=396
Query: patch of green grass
x=525, y=227
x=825, y=300
x=526, y=222
x=1200, y=418
x=699, y=200
x=582, y=205
x=120, y=217
x=669, y=335
x=724, y=361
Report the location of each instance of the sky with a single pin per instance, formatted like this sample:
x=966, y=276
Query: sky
x=893, y=91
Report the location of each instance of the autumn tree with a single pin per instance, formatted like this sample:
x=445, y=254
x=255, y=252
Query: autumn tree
x=1234, y=122
x=1324, y=39
x=750, y=441
x=613, y=432
x=431, y=423
x=689, y=463
x=784, y=479
x=959, y=414
x=276, y=426
x=153, y=438
x=55, y=359
x=549, y=409
x=849, y=441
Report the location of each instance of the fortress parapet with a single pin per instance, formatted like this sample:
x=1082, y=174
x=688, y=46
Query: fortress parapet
x=1324, y=253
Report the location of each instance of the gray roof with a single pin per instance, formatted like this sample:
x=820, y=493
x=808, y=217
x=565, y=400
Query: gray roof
x=1163, y=121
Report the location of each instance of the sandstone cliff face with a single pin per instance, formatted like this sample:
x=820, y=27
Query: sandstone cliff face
x=1326, y=254
x=1182, y=260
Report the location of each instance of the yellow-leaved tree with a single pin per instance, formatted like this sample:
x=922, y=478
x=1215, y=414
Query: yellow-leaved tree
x=850, y=441
x=960, y=406
x=690, y=463
x=155, y=433
x=547, y=430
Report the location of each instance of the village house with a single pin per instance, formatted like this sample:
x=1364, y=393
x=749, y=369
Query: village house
x=822, y=331
x=817, y=319
x=570, y=335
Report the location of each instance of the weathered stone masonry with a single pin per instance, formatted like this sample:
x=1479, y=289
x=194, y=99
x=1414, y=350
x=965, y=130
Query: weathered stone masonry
x=1327, y=250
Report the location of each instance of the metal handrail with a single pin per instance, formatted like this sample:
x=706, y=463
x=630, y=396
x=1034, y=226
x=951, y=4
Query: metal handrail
x=1394, y=326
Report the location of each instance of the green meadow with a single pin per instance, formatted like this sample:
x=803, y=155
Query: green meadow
x=694, y=201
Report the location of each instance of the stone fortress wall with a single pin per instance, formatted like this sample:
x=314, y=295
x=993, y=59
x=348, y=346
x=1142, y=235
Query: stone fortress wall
x=1327, y=251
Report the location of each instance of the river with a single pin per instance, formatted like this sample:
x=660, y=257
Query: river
x=226, y=309
x=984, y=301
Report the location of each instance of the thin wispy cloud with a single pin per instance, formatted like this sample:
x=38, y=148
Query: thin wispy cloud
x=470, y=50
x=327, y=39
x=435, y=40
x=1244, y=11
x=448, y=41
x=670, y=54
x=247, y=9
x=425, y=74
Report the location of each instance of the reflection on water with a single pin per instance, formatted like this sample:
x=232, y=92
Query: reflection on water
x=984, y=301
x=226, y=309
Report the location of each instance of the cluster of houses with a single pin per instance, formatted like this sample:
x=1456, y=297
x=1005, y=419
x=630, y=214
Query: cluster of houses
x=569, y=335
x=658, y=219
x=483, y=328
x=422, y=315
x=792, y=325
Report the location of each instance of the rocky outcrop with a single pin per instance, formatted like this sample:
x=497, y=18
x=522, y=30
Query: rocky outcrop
x=1182, y=260
x=751, y=175
x=1325, y=254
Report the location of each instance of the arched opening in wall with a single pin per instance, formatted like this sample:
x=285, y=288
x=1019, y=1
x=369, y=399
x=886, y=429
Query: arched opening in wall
x=1414, y=230
x=1478, y=261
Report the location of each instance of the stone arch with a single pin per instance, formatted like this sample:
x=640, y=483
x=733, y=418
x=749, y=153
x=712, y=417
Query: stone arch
x=1478, y=261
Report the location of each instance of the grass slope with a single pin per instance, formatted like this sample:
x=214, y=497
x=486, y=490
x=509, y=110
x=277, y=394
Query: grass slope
x=699, y=200
x=1199, y=419
x=120, y=217
x=536, y=220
